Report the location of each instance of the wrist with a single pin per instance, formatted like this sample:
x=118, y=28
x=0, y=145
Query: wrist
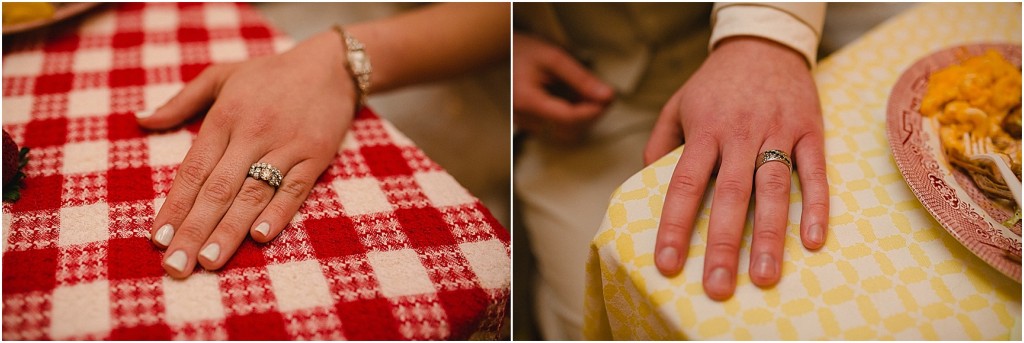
x=326, y=52
x=757, y=48
x=357, y=63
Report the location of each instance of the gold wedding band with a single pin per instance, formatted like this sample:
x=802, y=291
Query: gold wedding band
x=773, y=155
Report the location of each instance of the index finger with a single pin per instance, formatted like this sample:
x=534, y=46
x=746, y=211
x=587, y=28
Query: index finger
x=682, y=202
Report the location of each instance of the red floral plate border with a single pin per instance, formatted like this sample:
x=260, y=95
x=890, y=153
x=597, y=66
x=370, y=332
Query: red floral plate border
x=949, y=194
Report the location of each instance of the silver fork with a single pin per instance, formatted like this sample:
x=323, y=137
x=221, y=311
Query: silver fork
x=978, y=149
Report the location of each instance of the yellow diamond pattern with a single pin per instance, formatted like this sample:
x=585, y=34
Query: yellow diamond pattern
x=888, y=270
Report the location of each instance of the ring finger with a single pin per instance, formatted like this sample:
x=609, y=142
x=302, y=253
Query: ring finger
x=247, y=205
x=771, y=213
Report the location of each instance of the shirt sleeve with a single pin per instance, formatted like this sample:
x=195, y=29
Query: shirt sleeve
x=796, y=25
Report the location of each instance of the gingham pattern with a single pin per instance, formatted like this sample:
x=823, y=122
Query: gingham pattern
x=388, y=245
x=888, y=270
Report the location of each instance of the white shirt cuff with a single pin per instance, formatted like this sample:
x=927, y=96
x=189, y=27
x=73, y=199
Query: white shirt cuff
x=799, y=30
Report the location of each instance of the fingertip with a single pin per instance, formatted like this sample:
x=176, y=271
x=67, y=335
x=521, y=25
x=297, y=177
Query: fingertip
x=142, y=117
x=814, y=237
x=209, y=256
x=161, y=238
x=176, y=264
x=764, y=270
x=157, y=119
x=720, y=284
x=142, y=114
x=667, y=261
x=602, y=93
x=261, y=233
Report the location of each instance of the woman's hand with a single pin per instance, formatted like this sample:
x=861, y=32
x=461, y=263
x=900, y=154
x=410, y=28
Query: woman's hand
x=289, y=110
x=751, y=95
x=553, y=95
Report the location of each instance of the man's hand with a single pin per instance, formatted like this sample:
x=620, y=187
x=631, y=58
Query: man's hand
x=751, y=95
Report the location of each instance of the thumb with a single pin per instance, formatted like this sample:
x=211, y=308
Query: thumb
x=565, y=67
x=197, y=95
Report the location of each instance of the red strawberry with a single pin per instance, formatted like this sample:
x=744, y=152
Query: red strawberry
x=10, y=157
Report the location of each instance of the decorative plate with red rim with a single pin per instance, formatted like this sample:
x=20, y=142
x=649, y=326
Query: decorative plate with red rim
x=948, y=193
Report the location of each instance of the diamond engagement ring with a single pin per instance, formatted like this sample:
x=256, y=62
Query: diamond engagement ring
x=773, y=155
x=266, y=172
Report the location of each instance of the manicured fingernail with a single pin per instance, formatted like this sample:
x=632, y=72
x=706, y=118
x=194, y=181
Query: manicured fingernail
x=164, y=235
x=143, y=113
x=764, y=266
x=211, y=252
x=720, y=283
x=668, y=257
x=814, y=234
x=177, y=260
x=263, y=228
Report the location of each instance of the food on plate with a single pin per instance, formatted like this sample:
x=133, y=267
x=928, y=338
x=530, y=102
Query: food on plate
x=980, y=96
x=23, y=12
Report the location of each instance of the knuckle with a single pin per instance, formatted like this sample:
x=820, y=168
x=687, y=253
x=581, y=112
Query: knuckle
x=673, y=232
x=724, y=247
x=231, y=228
x=191, y=234
x=774, y=183
x=277, y=210
x=229, y=110
x=255, y=125
x=740, y=132
x=775, y=128
x=732, y=190
x=686, y=185
x=817, y=174
x=768, y=235
x=191, y=175
x=218, y=191
x=295, y=188
x=700, y=138
x=253, y=193
x=816, y=207
x=176, y=209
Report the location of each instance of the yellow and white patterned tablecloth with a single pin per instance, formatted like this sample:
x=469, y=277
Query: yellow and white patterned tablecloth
x=888, y=269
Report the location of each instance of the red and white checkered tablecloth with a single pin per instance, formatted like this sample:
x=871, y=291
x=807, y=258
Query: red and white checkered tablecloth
x=388, y=245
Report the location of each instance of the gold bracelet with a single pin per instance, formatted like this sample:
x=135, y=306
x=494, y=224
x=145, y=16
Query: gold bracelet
x=358, y=63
